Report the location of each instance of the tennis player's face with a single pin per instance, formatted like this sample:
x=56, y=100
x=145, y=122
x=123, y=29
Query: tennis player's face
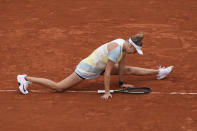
x=131, y=49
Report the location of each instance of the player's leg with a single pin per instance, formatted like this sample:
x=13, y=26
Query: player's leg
x=69, y=81
x=139, y=71
x=130, y=70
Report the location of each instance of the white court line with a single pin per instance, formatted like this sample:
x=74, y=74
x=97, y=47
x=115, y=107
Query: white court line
x=42, y=91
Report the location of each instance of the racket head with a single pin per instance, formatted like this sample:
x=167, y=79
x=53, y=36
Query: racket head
x=135, y=90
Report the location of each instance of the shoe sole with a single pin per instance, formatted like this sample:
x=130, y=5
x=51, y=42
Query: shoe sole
x=21, y=86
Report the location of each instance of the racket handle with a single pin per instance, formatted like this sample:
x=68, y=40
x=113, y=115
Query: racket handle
x=103, y=91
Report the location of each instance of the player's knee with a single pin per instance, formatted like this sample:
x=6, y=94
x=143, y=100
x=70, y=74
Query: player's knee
x=60, y=90
x=128, y=70
x=58, y=87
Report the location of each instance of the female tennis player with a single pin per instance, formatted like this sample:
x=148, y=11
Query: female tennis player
x=108, y=59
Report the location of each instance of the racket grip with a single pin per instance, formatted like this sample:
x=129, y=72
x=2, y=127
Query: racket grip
x=103, y=91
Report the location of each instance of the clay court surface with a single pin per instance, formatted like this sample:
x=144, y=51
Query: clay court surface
x=47, y=38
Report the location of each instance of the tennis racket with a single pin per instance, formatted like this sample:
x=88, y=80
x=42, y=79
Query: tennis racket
x=135, y=90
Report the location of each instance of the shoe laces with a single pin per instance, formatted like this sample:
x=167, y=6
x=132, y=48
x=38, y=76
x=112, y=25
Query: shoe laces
x=161, y=68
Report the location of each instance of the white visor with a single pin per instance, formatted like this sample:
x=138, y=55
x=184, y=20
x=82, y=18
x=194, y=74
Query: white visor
x=138, y=48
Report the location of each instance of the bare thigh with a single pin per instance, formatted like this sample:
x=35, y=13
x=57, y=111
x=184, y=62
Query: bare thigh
x=127, y=70
x=130, y=70
x=70, y=81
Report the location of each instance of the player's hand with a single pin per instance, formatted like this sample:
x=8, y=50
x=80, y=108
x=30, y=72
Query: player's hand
x=106, y=96
x=125, y=86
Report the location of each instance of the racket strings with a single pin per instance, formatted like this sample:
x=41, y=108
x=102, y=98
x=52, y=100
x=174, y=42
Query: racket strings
x=139, y=90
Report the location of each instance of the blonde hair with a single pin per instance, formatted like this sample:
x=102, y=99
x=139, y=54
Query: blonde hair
x=137, y=39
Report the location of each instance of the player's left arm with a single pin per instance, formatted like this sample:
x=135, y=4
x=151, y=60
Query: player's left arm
x=121, y=67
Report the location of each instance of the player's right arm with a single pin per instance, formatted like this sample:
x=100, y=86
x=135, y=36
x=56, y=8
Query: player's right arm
x=107, y=76
x=110, y=64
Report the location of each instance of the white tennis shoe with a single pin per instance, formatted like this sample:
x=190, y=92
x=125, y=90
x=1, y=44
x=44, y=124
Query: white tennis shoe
x=163, y=72
x=23, y=84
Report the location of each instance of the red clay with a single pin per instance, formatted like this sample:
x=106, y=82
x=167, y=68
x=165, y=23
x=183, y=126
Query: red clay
x=48, y=38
